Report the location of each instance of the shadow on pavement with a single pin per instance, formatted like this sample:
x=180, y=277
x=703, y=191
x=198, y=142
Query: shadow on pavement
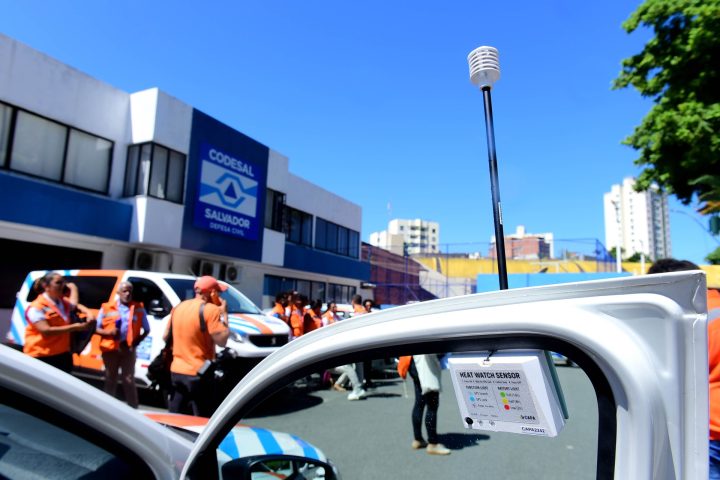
x=287, y=400
x=458, y=441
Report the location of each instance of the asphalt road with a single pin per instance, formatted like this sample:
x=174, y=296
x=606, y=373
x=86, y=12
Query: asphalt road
x=371, y=438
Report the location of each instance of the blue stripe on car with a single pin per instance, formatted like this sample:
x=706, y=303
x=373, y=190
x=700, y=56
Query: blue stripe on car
x=308, y=450
x=267, y=440
x=229, y=446
x=243, y=326
x=13, y=327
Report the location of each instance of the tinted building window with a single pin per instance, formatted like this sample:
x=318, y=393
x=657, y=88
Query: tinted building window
x=336, y=239
x=155, y=171
x=47, y=149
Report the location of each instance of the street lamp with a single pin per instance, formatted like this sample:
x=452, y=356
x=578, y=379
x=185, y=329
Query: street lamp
x=484, y=72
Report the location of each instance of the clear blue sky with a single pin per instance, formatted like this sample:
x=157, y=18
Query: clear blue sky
x=372, y=101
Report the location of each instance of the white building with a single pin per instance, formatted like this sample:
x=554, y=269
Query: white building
x=638, y=221
x=420, y=236
x=95, y=177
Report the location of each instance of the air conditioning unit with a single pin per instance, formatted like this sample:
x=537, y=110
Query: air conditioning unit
x=206, y=267
x=144, y=260
x=230, y=273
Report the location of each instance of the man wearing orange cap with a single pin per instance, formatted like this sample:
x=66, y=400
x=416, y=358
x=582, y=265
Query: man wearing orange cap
x=196, y=326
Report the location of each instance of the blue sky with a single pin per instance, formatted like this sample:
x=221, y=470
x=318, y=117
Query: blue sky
x=372, y=101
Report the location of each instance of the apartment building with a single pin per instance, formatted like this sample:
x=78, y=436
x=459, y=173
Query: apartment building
x=637, y=221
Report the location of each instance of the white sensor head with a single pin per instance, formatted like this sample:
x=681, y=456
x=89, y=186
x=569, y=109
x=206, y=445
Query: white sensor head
x=484, y=66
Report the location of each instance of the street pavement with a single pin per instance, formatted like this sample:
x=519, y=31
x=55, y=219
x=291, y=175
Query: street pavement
x=371, y=438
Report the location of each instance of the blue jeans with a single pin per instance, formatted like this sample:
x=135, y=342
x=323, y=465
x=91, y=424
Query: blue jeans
x=714, y=459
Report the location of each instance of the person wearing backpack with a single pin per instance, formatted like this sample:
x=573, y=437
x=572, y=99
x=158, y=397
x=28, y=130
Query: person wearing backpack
x=197, y=326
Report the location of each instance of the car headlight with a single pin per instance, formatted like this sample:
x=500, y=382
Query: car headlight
x=239, y=337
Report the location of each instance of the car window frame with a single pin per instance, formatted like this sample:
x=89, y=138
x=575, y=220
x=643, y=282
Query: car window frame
x=606, y=404
x=63, y=421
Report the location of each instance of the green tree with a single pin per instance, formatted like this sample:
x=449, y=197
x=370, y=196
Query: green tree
x=679, y=68
x=637, y=258
x=713, y=257
x=613, y=250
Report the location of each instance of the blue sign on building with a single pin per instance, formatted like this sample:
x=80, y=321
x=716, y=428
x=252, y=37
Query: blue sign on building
x=227, y=194
x=226, y=183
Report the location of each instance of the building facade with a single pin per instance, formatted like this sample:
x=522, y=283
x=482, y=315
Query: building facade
x=637, y=221
x=525, y=246
x=95, y=177
x=411, y=236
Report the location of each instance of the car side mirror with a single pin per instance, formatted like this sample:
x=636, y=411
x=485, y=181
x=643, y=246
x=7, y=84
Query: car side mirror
x=156, y=308
x=289, y=467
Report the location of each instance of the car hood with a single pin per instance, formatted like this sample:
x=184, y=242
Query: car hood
x=244, y=440
x=256, y=324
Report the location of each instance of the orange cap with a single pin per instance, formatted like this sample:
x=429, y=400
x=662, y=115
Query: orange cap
x=207, y=282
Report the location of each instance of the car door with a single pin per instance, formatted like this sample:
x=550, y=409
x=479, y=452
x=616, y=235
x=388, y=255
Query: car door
x=640, y=341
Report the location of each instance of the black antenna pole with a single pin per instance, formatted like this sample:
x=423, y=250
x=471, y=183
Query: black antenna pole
x=495, y=188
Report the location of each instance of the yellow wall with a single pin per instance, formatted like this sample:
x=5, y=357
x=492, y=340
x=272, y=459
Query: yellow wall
x=470, y=268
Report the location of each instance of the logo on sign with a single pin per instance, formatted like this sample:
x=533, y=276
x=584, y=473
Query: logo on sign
x=227, y=194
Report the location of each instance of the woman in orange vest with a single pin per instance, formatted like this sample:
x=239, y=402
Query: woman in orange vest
x=122, y=324
x=49, y=325
x=330, y=316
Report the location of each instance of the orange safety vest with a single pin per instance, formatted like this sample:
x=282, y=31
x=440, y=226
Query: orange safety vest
x=39, y=345
x=314, y=323
x=111, y=313
x=279, y=311
x=297, y=320
x=330, y=316
x=713, y=305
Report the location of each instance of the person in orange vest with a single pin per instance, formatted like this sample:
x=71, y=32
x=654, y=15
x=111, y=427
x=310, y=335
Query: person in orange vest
x=194, y=342
x=330, y=316
x=297, y=315
x=312, y=319
x=49, y=323
x=278, y=310
x=713, y=322
x=122, y=324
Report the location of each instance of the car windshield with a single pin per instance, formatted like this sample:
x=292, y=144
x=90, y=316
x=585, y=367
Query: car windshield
x=236, y=301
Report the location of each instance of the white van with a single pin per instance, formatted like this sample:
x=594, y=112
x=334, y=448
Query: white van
x=254, y=335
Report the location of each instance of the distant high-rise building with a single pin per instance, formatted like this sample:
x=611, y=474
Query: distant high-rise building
x=525, y=246
x=420, y=236
x=638, y=221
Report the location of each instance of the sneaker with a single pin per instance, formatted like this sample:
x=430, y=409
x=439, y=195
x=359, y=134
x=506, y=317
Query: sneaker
x=357, y=395
x=338, y=387
x=437, y=449
x=418, y=444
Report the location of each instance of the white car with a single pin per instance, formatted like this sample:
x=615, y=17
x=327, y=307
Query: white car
x=53, y=425
x=641, y=340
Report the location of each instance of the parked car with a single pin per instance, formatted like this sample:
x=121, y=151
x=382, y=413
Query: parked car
x=254, y=335
x=53, y=425
x=641, y=341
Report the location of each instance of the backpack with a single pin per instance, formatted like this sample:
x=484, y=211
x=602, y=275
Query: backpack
x=404, y=365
